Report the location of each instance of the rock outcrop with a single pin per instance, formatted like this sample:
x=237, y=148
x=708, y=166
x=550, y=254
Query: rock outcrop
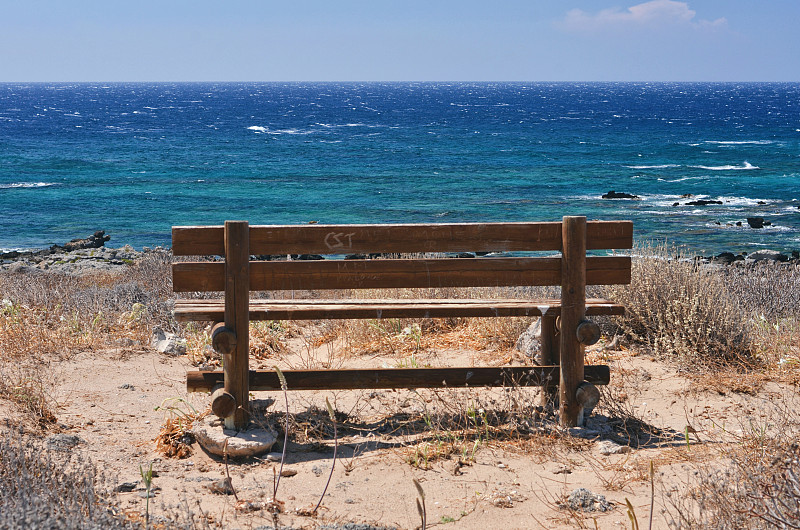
x=619, y=195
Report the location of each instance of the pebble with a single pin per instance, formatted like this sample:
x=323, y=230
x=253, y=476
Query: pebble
x=608, y=447
x=221, y=487
x=126, y=487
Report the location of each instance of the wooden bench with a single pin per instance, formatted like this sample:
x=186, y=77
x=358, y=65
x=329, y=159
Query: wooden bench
x=564, y=329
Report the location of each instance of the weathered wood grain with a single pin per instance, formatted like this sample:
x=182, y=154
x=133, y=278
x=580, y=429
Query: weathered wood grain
x=398, y=273
x=212, y=309
x=400, y=238
x=267, y=380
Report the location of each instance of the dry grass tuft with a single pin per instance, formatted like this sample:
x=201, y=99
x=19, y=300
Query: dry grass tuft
x=684, y=312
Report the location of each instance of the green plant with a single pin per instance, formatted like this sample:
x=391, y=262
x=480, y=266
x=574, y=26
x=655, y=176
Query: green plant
x=147, y=479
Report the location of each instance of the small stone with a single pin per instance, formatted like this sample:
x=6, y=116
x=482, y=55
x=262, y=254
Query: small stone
x=127, y=386
x=561, y=470
x=147, y=494
x=126, y=487
x=222, y=486
x=288, y=472
x=584, y=500
x=608, y=447
x=212, y=437
x=317, y=470
x=63, y=442
x=273, y=457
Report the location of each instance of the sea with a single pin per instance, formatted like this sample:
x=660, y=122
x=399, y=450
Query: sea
x=134, y=159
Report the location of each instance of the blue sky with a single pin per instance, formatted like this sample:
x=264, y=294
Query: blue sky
x=404, y=40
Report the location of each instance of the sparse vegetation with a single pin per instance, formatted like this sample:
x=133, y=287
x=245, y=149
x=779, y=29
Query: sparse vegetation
x=739, y=323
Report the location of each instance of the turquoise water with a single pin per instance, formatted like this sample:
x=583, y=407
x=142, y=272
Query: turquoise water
x=135, y=159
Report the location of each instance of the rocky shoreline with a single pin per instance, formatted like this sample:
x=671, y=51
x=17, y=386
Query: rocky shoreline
x=81, y=256
x=78, y=256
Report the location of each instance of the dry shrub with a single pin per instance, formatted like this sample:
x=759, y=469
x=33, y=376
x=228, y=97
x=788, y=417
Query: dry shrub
x=26, y=386
x=40, y=488
x=757, y=490
x=49, y=312
x=683, y=311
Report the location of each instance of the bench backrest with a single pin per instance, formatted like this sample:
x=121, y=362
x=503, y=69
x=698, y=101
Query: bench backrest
x=397, y=239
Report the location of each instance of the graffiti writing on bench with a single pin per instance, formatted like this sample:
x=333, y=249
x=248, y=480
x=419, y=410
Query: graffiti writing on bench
x=339, y=240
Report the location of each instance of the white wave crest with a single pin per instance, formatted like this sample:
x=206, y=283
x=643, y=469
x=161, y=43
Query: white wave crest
x=682, y=179
x=25, y=185
x=259, y=129
x=660, y=166
x=740, y=142
x=746, y=165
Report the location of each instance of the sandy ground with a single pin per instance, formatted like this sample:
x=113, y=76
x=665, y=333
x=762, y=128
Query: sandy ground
x=109, y=400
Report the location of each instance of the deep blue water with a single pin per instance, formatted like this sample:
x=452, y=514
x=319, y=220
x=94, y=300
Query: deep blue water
x=135, y=159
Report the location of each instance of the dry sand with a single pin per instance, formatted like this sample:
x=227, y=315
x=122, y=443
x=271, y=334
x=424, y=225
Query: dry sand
x=109, y=399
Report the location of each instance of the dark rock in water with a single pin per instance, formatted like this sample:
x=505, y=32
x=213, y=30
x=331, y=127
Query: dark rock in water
x=738, y=223
x=96, y=240
x=757, y=222
x=761, y=202
x=676, y=204
x=702, y=202
x=725, y=257
x=768, y=255
x=687, y=196
x=356, y=256
x=308, y=257
x=621, y=195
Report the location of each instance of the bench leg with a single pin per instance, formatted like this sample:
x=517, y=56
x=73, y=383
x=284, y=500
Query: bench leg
x=237, y=319
x=573, y=307
x=549, y=357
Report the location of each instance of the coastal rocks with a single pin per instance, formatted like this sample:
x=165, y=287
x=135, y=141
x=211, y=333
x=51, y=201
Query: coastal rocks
x=96, y=240
x=726, y=258
x=770, y=255
x=619, y=195
x=757, y=222
x=702, y=202
x=91, y=257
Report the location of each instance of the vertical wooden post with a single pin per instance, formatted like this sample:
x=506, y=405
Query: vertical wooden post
x=237, y=318
x=573, y=302
x=549, y=356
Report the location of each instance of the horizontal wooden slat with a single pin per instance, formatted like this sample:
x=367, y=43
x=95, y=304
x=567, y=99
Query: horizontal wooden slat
x=402, y=273
x=267, y=380
x=400, y=238
x=213, y=310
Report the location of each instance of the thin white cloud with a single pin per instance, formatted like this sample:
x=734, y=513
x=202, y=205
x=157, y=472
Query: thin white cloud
x=653, y=13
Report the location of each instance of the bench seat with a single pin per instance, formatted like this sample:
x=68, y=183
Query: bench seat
x=214, y=309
